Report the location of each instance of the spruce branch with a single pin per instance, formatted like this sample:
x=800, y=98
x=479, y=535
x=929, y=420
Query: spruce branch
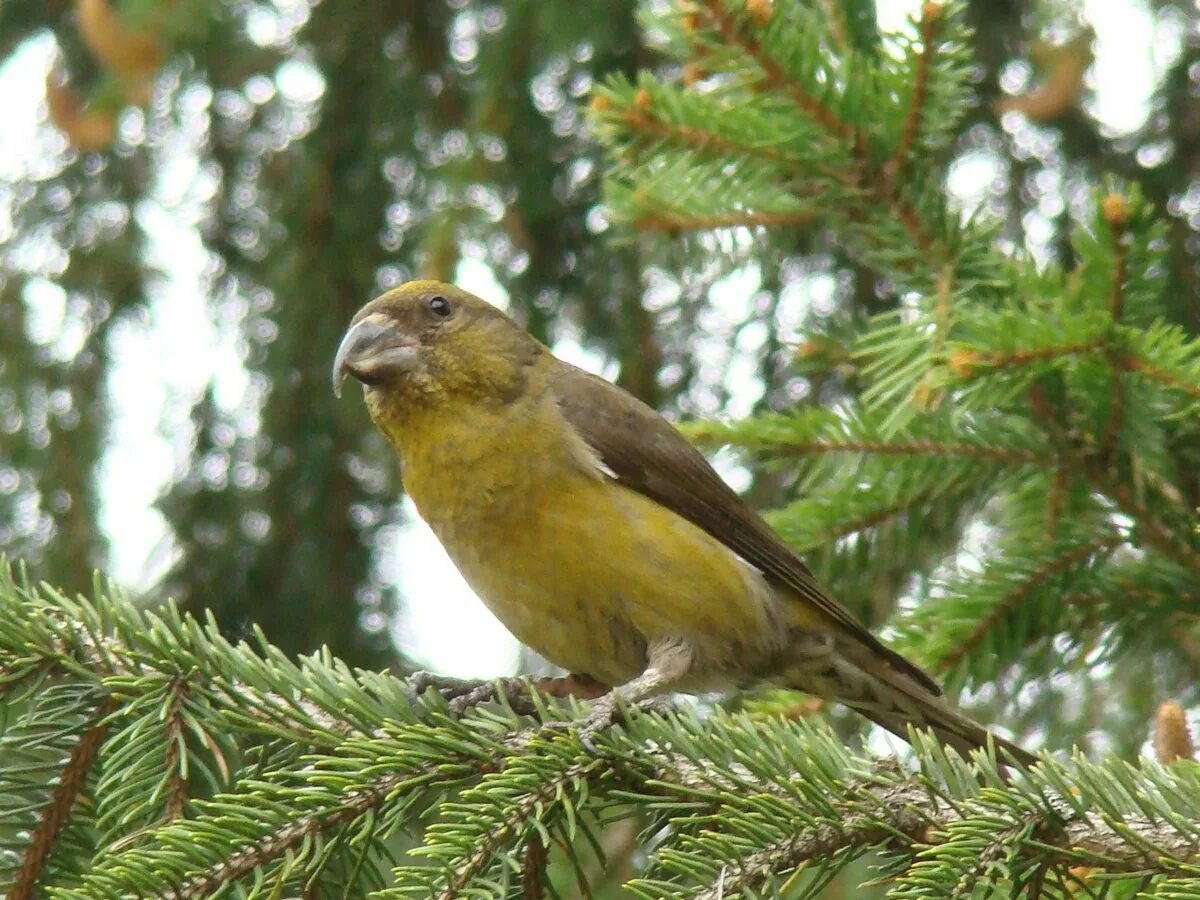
x=641, y=119
x=1152, y=529
x=750, y=219
x=931, y=16
x=835, y=15
x=761, y=45
x=928, y=394
x=533, y=869
x=790, y=798
x=1069, y=559
x=286, y=816
x=776, y=79
x=968, y=362
x=875, y=517
x=1171, y=380
x=70, y=783
x=269, y=847
x=518, y=815
x=1116, y=212
x=1007, y=455
x=111, y=658
x=176, y=752
x=1039, y=818
x=1055, y=497
x=944, y=308
x=906, y=814
x=816, y=432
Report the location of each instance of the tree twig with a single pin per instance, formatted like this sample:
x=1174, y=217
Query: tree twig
x=1116, y=211
x=931, y=14
x=533, y=869
x=668, y=221
x=1074, y=556
x=54, y=816
x=1012, y=455
x=176, y=784
x=778, y=80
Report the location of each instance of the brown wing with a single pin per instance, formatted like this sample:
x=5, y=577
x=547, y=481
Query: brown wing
x=648, y=455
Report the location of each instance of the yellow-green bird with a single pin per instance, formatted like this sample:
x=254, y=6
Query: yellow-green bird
x=597, y=534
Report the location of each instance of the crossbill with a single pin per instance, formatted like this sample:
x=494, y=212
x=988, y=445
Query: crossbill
x=597, y=534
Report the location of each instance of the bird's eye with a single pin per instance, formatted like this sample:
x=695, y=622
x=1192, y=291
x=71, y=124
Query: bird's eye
x=439, y=306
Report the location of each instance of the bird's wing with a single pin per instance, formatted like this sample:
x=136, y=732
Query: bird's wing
x=645, y=453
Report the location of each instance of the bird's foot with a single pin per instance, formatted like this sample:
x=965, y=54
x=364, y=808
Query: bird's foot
x=607, y=711
x=448, y=687
x=463, y=695
x=514, y=690
x=602, y=716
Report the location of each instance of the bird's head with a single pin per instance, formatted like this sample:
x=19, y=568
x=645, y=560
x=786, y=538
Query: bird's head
x=427, y=342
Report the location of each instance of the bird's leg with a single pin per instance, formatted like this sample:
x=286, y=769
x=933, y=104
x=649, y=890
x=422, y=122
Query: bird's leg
x=668, y=660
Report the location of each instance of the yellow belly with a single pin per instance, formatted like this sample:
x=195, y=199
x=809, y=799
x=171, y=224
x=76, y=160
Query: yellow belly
x=590, y=579
x=587, y=572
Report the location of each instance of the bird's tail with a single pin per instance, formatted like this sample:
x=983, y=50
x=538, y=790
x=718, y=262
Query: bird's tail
x=858, y=677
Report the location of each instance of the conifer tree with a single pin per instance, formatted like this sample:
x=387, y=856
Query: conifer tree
x=1002, y=472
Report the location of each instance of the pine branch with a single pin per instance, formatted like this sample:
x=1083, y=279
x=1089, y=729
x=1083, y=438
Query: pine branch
x=272, y=846
x=1009, y=456
x=641, y=119
x=931, y=14
x=1171, y=380
x=533, y=869
x=776, y=80
x=1116, y=211
x=176, y=753
x=70, y=783
x=909, y=813
x=1063, y=562
x=518, y=814
x=836, y=808
x=967, y=362
x=748, y=219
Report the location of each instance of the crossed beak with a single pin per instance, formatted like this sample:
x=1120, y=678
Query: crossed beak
x=373, y=349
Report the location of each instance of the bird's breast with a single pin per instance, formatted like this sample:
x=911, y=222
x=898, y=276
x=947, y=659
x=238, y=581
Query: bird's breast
x=582, y=569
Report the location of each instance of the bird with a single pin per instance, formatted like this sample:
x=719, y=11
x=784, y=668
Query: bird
x=599, y=535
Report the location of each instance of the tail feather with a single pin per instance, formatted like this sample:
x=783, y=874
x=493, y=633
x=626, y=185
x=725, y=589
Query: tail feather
x=951, y=727
x=858, y=677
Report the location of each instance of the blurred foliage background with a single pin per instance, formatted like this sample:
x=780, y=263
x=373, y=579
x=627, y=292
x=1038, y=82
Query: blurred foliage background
x=258, y=170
